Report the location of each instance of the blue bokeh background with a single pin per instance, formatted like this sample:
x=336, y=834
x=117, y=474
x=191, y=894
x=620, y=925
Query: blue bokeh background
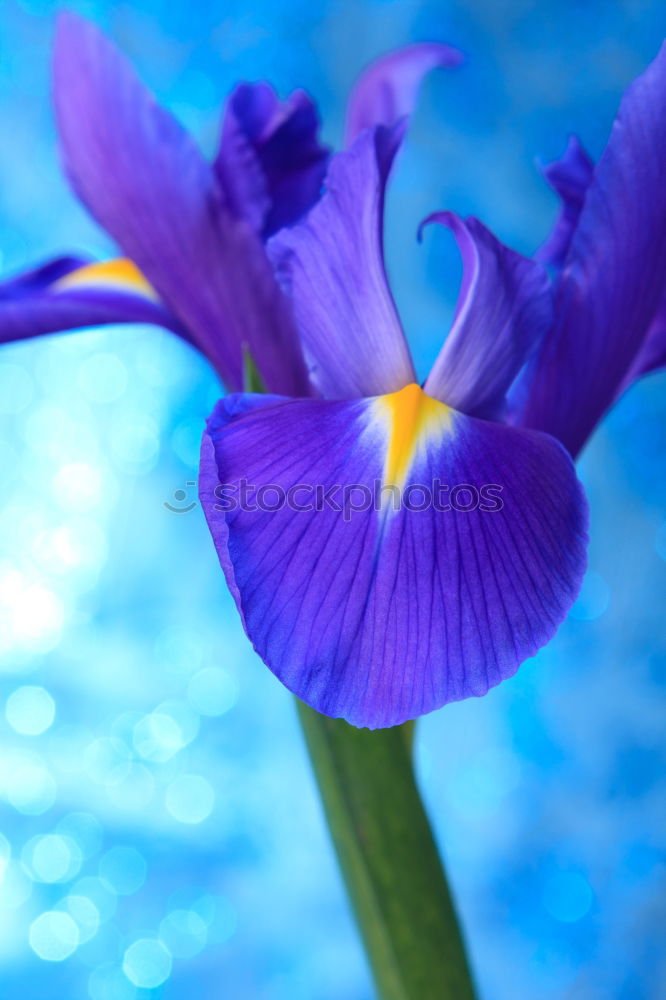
x=161, y=832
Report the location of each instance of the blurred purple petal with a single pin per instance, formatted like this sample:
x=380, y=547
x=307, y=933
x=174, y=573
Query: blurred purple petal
x=69, y=293
x=332, y=266
x=383, y=615
x=271, y=163
x=503, y=311
x=652, y=355
x=146, y=183
x=614, y=275
x=570, y=177
x=388, y=89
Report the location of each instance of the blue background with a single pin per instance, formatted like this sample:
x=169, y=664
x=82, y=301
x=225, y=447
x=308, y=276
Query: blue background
x=185, y=843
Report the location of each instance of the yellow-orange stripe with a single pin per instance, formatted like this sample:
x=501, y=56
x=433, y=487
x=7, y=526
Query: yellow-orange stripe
x=120, y=273
x=412, y=418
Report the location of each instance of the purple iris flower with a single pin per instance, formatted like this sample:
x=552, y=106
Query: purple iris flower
x=391, y=547
x=191, y=232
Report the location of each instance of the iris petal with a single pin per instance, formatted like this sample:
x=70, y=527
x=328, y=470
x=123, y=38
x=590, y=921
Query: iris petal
x=570, y=177
x=145, y=181
x=332, y=267
x=119, y=274
x=379, y=614
x=70, y=293
x=652, y=355
x=388, y=89
x=503, y=311
x=271, y=161
x=614, y=275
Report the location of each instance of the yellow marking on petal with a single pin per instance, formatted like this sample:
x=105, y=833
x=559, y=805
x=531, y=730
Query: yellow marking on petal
x=120, y=274
x=413, y=417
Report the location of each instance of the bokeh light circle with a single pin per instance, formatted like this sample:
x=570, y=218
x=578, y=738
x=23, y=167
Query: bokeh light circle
x=54, y=936
x=190, y=798
x=31, y=789
x=108, y=982
x=78, y=486
x=147, y=963
x=30, y=710
x=179, y=650
x=135, y=442
x=100, y=893
x=52, y=858
x=213, y=691
x=103, y=377
x=84, y=913
x=157, y=737
x=184, y=933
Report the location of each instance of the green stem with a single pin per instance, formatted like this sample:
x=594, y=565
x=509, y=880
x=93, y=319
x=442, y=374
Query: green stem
x=385, y=847
x=389, y=859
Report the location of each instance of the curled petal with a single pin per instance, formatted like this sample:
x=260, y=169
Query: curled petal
x=143, y=178
x=378, y=612
x=503, y=312
x=332, y=267
x=614, y=275
x=271, y=162
x=70, y=293
x=389, y=87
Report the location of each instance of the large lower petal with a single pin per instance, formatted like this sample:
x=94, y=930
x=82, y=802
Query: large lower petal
x=271, y=161
x=503, y=311
x=70, y=293
x=332, y=267
x=387, y=90
x=614, y=273
x=378, y=614
x=145, y=181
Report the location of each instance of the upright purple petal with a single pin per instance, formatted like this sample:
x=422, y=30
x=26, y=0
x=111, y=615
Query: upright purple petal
x=237, y=163
x=271, y=162
x=570, y=177
x=146, y=183
x=388, y=88
x=332, y=267
x=377, y=614
x=69, y=293
x=503, y=311
x=652, y=355
x=614, y=274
